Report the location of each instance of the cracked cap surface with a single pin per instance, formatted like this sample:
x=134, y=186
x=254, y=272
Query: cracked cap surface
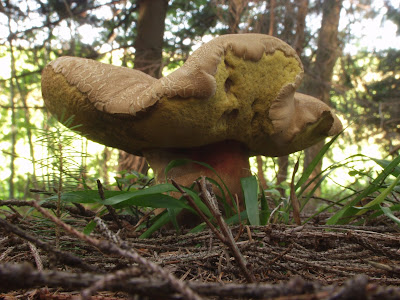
x=236, y=87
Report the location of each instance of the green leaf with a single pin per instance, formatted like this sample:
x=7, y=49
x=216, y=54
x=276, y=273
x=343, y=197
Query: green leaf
x=250, y=191
x=227, y=208
x=155, y=201
x=156, y=189
x=172, y=216
x=312, y=192
x=88, y=196
x=353, y=173
x=235, y=218
x=198, y=201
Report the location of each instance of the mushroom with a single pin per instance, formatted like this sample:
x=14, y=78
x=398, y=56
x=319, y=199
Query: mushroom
x=233, y=98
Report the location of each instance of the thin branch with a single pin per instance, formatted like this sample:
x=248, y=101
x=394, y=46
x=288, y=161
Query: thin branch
x=77, y=210
x=209, y=199
x=198, y=210
x=208, y=196
x=110, y=209
x=63, y=257
x=111, y=248
x=296, y=288
x=293, y=197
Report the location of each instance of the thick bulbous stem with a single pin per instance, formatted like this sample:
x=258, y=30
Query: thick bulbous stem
x=229, y=159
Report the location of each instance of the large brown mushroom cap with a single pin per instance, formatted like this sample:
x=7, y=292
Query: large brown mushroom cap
x=237, y=87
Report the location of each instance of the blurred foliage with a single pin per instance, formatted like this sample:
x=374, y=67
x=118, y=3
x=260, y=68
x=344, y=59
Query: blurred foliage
x=369, y=92
x=40, y=31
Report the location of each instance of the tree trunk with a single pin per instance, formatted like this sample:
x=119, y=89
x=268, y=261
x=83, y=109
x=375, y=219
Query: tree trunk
x=298, y=45
x=318, y=82
x=236, y=9
x=288, y=22
x=150, y=36
x=148, y=59
x=260, y=172
x=13, y=134
x=270, y=31
x=272, y=5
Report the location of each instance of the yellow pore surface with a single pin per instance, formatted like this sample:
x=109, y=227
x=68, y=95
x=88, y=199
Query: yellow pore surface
x=238, y=110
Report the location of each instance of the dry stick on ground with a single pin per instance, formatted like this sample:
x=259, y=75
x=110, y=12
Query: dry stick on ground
x=77, y=210
x=210, y=200
x=110, y=209
x=293, y=197
x=198, y=210
x=208, y=197
x=108, y=280
x=36, y=256
x=111, y=248
x=63, y=257
x=111, y=236
x=295, y=288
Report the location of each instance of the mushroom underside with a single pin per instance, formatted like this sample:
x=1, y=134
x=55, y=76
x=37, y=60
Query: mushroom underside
x=219, y=113
x=238, y=110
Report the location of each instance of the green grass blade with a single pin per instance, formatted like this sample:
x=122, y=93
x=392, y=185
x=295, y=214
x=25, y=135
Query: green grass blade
x=235, y=218
x=343, y=215
x=160, y=222
x=384, y=163
x=89, y=227
x=307, y=172
x=156, y=189
x=87, y=196
x=172, y=213
x=250, y=191
x=388, y=212
x=380, y=198
x=155, y=201
x=198, y=202
x=307, y=198
x=227, y=208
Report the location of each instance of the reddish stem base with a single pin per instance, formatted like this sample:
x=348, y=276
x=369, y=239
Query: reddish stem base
x=229, y=159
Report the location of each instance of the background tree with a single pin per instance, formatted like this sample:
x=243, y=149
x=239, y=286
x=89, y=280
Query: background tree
x=298, y=45
x=148, y=59
x=318, y=78
x=35, y=32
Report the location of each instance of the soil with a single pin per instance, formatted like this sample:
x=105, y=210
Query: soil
x=42, y=260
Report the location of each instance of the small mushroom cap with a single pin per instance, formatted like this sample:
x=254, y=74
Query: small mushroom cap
x=303, y=122
x=236, y=87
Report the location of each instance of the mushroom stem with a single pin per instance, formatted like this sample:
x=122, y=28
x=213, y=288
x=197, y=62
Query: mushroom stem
x=229, y=159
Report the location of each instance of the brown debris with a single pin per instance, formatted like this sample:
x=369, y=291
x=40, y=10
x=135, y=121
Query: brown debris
x=287, y=262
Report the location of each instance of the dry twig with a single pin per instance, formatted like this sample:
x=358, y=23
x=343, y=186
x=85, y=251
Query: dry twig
x=112, y=248
x=208, y=197
x=296, y=288
x=62, y=256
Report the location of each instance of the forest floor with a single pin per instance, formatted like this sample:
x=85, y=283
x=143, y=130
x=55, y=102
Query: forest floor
x=41, y=260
